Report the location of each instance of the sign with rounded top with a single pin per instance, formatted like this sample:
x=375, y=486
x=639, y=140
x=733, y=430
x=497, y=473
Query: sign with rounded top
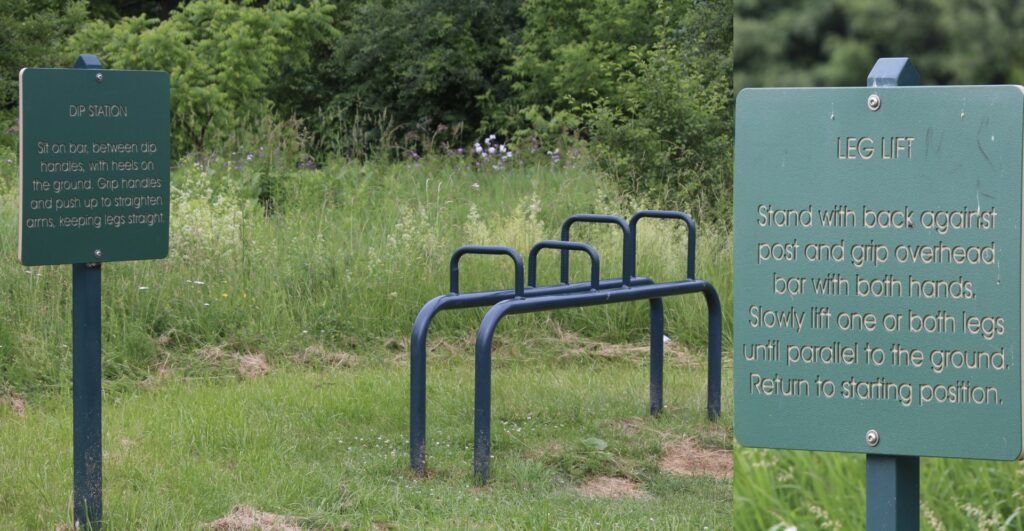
x=878, y=270
x=94, y=165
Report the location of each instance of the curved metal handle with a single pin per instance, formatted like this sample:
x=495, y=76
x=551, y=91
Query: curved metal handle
x=691, y=236
x=595, y=261
x=487, y=249
x=628, y=247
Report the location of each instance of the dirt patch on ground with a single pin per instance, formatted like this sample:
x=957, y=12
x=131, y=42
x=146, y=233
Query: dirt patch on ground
x=245, y=518
x=17, y=404
x=611, y=487
x=631, y=425
x=252, y=365
x=686, y=458
x=249, y=364
x=320, y=354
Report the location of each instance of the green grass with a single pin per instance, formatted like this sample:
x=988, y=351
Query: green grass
x=329, y=448
x=324, y=283
x=345, y=259
x=818, y=490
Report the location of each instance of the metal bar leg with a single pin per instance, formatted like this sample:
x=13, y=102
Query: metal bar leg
x=714, y=353
x=482, y=413
x=657, y=355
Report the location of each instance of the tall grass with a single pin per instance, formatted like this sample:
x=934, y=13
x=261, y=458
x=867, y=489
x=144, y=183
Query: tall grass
x=340, y=257
x=775, y=489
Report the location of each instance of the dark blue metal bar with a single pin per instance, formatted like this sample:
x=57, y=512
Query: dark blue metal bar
x=485, y=337
x=486, y=249
x=87, y=394
x=566, y=246
x=691, y=236
x=893, y=484
x=418, y=349
x=628, y=252
x=657, y=376
x=86, y=382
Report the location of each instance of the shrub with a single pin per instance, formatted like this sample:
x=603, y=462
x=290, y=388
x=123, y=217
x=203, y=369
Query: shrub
x=668, y=127
x=230, y=64
x=31, y=34
x=410, y=68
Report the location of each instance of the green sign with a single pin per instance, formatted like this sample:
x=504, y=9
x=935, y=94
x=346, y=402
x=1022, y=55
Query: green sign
x=95, y=165
x=878, y=270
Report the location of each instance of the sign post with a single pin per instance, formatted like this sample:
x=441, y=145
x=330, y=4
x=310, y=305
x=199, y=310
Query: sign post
x=893, y=481
x=94, y=187
x=878, y=275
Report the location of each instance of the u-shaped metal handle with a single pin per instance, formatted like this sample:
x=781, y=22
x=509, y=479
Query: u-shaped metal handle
x=628, y=252
x=595, y=260
x=691, y=236
x=487, y=249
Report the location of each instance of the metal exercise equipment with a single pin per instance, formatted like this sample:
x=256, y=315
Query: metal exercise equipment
x=531, y=299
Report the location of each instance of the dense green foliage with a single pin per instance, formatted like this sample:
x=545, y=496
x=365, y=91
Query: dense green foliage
x=644, y=83
x=835, y=42
x=413, y=67
x=230, y=64
x=29, y=31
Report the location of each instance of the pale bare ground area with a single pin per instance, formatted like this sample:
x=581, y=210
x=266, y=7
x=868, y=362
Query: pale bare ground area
x=685, y=457
x=611, y=487
x=245, y=518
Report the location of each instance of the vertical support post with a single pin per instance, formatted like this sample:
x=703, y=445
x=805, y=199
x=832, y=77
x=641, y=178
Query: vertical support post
x=657, y=355
x=893, y=482
x=482, y=401
x=893, y=492
x=86, y=382
x=714, y=352
x=87, y=394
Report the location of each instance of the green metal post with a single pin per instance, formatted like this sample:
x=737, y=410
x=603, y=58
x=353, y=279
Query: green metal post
x=893, y=482
x=87, y=376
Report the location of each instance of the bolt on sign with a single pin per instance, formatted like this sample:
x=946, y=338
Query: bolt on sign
x=878, y=270
x=95, y=165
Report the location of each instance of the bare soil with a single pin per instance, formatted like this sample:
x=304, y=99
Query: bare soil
x=686, y=458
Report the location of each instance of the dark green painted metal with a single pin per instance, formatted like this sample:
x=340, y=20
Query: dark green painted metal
x=893, y=492
x=967, y=155
x=418, y=349
x=81, y=135
x=87, y=378
x=87, y=393
x=893, y=481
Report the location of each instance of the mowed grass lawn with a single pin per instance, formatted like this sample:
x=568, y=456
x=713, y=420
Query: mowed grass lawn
x=328, y=447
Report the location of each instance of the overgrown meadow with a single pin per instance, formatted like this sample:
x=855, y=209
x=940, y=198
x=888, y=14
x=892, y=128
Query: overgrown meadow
x=263, y=365
x=337, y=258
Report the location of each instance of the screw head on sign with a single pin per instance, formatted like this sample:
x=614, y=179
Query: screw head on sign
x=99, y=77
x=874, y=102
x=872, y=438
x=98, y=253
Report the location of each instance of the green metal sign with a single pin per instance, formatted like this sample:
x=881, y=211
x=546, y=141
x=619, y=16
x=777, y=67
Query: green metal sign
x=877, y=270
x=95, y=165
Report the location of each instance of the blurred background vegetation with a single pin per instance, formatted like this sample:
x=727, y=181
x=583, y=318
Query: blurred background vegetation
x=835, y=42
x=642, y=86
